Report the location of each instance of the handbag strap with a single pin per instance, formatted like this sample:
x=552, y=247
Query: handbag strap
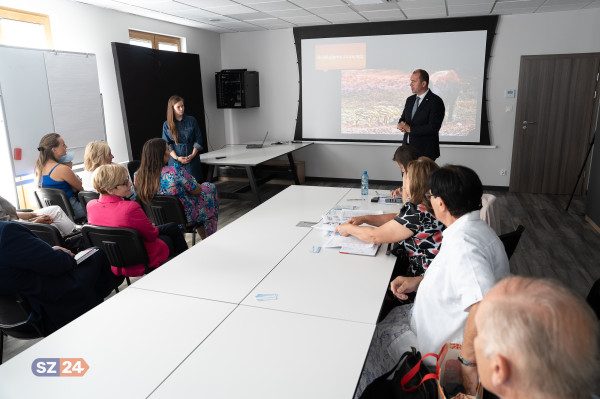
x=409, y=376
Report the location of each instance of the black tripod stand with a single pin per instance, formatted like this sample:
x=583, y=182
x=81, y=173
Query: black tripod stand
x=581, y=171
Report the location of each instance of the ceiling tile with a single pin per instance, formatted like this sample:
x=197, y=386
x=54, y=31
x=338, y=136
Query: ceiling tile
x=206, y=3
x=346, y=17
x=274, y=6
x=421, y=3
x=376, y=7
x=228, y=10
x=561, y=7
x=508, y=11
x=374, y=15
x=309, y=19
x=291, y=13
x=469, y=2
x=318, y=3
x=425, y=12
x=331, y=10
x=249, y=16
x=470, y=9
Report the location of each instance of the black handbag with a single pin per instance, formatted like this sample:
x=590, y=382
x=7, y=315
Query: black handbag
x=405, y=380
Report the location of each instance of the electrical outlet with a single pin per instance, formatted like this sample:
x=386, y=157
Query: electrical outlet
x=502, y=172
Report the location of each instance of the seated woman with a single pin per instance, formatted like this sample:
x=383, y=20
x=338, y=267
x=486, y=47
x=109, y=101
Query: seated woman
x=97, y=153
x=402, y=157
x=50, y=173
x=200, y=201
x=53, y=215
x=55, y=286
x=112, y=182
x=415, y=225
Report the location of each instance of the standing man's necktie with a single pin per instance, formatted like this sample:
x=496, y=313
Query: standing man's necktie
x=415, y=107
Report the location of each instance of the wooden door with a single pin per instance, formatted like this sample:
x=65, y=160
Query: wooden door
x=555, y=121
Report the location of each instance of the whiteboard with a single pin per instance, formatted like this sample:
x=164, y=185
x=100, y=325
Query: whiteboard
x=46, y=91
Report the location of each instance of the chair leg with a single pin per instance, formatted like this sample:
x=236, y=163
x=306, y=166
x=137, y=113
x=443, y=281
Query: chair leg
x=128, y=282
x=194, y=237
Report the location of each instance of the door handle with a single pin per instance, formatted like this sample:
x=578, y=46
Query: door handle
x=528, y=123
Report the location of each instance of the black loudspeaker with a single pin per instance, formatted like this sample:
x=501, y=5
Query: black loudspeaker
x=237, y=88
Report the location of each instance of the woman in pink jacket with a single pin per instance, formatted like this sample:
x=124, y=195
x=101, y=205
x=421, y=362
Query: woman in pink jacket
x=112, y=182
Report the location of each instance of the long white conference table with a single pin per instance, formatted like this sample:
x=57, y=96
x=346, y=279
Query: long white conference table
x=249, y=159
x=193, y=327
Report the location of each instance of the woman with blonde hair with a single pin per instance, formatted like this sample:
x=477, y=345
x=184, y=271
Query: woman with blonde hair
x=153, y=177
x=97, y=153
x=414, y=226
x=182, y=134
x=112, y=182
x=50, y=173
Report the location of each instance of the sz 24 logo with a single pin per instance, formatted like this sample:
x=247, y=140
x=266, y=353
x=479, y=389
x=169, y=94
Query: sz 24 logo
x=63, y=367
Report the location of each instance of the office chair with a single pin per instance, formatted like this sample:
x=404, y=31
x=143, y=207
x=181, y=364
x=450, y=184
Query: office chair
x=132, y=167
x=53, y=196
x=50, y=234
x=167, y=208
x=593, y=298
x=16, y=320
x=510, y=240
x=85, y=197
x=124, y=247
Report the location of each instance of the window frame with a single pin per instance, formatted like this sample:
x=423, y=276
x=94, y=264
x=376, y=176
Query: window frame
x=155, y=39
x=30, y=17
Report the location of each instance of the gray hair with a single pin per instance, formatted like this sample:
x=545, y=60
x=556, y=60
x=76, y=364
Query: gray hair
x=549, y=333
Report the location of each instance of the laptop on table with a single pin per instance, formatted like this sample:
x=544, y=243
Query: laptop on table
x=258, y=145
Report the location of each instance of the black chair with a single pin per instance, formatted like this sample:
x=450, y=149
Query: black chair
x=53, y=196
x=51, y=235
x=16, y=320
x=124, y=247
x=132, y=167
x=85, y=197
x=167, y=208
x=510, y=240
x=593, y=298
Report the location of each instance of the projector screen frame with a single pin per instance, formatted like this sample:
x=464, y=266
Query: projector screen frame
x=487, y=23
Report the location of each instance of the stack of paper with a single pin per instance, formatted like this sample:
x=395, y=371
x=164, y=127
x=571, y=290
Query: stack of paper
x=352, y=245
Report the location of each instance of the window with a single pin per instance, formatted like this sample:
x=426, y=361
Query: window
x=24, y=29
x=158, y=42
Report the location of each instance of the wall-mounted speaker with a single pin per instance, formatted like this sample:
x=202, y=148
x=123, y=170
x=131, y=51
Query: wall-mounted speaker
x=237, y=88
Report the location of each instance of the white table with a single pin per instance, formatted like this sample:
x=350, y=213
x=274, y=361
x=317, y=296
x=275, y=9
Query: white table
x=264, y=354
x=229, y=264
x=249, y=158
x=131, y=342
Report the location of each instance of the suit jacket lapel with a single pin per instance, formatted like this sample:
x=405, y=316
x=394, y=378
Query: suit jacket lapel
x=423, y=102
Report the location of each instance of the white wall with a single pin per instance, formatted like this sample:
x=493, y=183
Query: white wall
x=273, y=55
x=84, y=28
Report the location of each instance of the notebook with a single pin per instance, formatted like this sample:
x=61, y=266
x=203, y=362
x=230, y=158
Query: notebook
x=258, y=145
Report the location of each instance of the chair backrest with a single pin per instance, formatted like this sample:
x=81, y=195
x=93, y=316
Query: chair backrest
x=124, y=247
x=46, y=232
x=165, y=209
x=593, y=298
x=489, y=212
x=53, y=196
x=85, y=197
x=510, y=240
x=16, y=318
x=132, y=167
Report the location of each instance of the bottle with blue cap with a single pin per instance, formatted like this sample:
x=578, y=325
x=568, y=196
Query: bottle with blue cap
x=364, y=183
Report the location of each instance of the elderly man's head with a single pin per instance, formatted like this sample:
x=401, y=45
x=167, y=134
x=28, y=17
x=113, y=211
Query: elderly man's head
x=536, y=339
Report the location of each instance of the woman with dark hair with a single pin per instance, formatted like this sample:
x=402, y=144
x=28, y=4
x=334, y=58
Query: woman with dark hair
x=182, y=134
x=153, y=177
x=415, y=226
x=50, y=173
x=403, y=156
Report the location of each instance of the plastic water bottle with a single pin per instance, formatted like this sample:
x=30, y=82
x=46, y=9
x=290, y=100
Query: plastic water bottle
x=364, y=183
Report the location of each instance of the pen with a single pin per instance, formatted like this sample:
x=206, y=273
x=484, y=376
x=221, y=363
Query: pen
x=220, y=157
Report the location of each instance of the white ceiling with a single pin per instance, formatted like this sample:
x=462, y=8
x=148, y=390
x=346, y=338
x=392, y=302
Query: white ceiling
x=252, y=15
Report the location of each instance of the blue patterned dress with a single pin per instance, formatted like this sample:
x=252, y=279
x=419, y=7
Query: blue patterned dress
x=202, y=208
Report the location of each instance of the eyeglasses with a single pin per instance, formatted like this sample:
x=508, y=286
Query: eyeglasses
x=429, y=195
x=126, y=182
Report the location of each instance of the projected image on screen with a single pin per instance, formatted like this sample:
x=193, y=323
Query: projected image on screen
x=355, y=88
x=369, y=101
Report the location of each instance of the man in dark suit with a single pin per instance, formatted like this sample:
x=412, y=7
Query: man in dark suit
x=57, y=288
x=421, y=121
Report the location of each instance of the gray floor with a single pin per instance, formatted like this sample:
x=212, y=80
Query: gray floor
x=555, y=244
